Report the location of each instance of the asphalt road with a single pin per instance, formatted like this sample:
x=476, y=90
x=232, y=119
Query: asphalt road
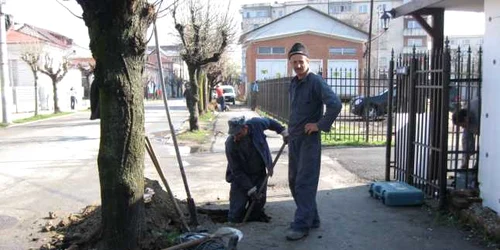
x=51, y=165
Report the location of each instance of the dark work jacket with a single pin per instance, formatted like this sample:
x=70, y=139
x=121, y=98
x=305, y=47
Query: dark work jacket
x=307, y=97
x=238, y=169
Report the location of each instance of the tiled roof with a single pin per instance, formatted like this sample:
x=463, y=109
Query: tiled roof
x=29, y=34
x=14, y=36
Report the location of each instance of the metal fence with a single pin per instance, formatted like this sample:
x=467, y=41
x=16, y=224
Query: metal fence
x=427, y=90
x=362, y=118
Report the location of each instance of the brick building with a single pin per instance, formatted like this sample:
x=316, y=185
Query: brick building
x=332, y=44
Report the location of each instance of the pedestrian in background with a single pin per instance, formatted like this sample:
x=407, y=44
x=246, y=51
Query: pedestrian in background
x=248, y=158
x=308, y=94
x=72, y=93
x=220, y=98
x=254, y=94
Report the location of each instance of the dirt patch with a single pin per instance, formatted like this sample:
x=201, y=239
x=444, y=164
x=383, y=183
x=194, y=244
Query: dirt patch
x=82, y=230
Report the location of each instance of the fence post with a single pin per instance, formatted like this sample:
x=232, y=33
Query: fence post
x=388, y=146
x=445, y=108
x=412, y=112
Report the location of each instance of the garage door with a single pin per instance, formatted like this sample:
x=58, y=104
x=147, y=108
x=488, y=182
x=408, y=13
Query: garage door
x=342, y=75
x=270, y=68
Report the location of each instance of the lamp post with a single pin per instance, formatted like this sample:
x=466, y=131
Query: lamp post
x=4, y=68
x=386, y=18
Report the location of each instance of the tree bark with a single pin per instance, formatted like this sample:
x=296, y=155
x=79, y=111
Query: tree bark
x=192, y=99
x=56, y=100
x=35, y=75
x=117, y=30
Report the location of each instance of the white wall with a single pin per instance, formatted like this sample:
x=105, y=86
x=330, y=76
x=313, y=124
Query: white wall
x=25, y=81
x=489, y=162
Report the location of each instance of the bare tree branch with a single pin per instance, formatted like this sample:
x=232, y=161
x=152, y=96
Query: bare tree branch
x=77, y=16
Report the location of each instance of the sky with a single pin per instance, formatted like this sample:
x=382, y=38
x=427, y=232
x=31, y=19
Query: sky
x=49, y=14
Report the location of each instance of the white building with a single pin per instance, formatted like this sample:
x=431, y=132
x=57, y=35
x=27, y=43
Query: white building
x=50, y=46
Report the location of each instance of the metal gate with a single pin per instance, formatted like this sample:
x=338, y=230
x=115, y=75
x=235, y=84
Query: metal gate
x=425, y=94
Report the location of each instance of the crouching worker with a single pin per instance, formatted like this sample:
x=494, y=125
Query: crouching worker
x=248, y=159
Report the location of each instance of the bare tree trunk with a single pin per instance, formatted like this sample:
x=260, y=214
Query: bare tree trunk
x=35, y=75
x=56, y=101
x=192, y=99
x=117, y=31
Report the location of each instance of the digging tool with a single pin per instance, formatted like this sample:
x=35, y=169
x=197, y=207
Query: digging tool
x=156, y=163
x=220, y=233
x=261, y=188
x=190, y=201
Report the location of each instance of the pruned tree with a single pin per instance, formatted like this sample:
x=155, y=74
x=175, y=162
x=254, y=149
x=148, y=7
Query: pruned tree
x=214, y=75
x=87, y=70
x=117, y=30
x=205, y=30
x=31, y=55
x=56, y=71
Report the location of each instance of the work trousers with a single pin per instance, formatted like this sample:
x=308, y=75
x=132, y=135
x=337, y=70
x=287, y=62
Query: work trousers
x=238, y=200
x=303, y=176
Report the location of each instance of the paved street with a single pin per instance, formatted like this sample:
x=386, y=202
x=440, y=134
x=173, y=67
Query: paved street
x=52, y=166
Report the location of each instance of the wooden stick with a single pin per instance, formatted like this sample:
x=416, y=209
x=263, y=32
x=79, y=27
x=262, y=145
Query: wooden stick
x=151, y=153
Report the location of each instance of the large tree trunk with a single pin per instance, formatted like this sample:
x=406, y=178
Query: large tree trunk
x=192, y=99
x=56, y=101
x=117, y=31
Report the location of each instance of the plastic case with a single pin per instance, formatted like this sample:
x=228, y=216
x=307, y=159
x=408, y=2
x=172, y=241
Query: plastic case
x=394, y=193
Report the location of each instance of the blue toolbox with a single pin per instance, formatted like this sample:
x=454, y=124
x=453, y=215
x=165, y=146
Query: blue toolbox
x=395, y=193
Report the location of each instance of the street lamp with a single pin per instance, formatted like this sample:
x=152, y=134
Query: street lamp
x=386, y=18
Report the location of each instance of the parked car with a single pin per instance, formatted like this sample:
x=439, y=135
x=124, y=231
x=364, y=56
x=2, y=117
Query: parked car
x=228, y=92
x=378, y=103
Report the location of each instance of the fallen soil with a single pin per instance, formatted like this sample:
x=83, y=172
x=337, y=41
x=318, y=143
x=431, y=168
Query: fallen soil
x=82, y=230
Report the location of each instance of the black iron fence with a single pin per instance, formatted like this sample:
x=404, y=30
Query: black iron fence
x=428, y=152
x=362, y=118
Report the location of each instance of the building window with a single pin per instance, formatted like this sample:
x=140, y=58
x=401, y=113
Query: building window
x=415, y=42
x=337, y=8
x=466, y=42
x=412, y=24
x=271, y=50
x=363, y=8
x=342, y=51
x=281, y=13
x=247, y=14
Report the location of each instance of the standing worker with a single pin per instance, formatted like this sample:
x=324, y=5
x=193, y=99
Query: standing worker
x=308, y=93
x=220, y=98
x=248, y=157
x=254, y=94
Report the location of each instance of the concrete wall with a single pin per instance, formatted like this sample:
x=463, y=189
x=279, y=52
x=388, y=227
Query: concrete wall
x=489, y=160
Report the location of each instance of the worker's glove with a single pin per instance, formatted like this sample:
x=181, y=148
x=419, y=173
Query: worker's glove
x=284, y=133
x=253, y=194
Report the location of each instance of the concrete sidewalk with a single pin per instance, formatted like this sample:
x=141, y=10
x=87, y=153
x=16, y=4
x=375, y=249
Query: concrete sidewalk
x=351, y=219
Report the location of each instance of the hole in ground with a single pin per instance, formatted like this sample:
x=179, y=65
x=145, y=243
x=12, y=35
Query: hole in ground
x=217, y=215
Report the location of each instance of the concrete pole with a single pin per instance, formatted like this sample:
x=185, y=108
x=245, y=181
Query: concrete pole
x=4, y=70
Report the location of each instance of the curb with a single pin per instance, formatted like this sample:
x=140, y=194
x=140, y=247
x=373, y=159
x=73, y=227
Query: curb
x=13, y=125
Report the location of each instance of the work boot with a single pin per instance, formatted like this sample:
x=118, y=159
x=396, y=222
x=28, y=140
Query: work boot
x=296, y=234
x=316, y=224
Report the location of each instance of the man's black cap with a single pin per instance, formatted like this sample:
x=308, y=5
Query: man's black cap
x=298, y=48
x=235, y=125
